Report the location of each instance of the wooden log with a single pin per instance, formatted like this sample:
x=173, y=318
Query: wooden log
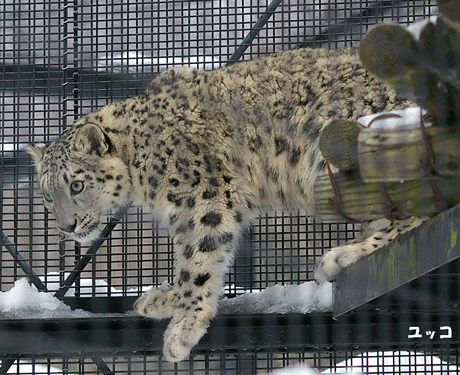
x=408, y=154
x=345, y=196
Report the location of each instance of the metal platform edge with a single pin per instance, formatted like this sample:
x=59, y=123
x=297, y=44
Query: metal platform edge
x=308, y=332
x=410, y=256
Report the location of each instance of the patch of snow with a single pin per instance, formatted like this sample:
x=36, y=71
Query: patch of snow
x=304, y=298
x=25, y=301
x=133, y=60
x=299, y=369
x=417, y=27
x=28, y=368
x=302, y=369
x=88, y=287
x=400, y=362
x=409, y=118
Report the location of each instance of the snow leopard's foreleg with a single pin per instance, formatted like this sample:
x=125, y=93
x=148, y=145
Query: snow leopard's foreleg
x=377, y=235
x=204, y=242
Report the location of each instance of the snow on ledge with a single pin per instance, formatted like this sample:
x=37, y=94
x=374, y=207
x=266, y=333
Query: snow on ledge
x=304, y=298
x=24, y=301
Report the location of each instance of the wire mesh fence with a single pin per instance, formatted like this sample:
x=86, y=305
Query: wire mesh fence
x=235, y=362
x=63, y=59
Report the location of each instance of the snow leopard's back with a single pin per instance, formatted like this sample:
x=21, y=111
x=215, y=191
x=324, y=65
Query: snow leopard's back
x=270, y=113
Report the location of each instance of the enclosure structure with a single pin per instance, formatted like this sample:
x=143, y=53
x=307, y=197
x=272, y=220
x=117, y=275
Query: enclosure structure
x=63, y=59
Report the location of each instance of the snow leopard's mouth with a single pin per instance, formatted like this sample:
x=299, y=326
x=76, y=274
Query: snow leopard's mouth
x=85, y=235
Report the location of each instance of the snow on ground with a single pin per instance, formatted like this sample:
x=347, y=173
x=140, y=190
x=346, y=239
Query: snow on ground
x=29, y=368
x=303, y=369
x=399, y=362
x=300, y=369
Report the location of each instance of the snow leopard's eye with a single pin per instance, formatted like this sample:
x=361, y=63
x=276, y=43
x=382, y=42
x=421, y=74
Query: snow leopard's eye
x=77, y=187
x=47, y=197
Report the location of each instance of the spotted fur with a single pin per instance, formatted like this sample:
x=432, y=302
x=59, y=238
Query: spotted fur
x=207, y=151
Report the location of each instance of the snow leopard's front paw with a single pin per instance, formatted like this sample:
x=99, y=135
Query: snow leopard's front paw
x=183, y=333
x=337, y=259
x=158, y=303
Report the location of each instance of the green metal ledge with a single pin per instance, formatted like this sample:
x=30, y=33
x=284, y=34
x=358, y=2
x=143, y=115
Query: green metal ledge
x=421, y=262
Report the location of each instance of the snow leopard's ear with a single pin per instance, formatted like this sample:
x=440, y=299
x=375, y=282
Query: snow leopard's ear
x=37, y=152
x=91, y=140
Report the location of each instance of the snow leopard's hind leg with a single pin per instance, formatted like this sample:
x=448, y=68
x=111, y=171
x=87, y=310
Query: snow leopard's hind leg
x=377, y=235
x=204, y=241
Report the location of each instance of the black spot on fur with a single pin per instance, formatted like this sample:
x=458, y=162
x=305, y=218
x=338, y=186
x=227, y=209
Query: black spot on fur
x=209, y=194
x=191, y=202
x=295, y=156
x=184, y=275
x=174, y=182
x=153, y=182
x=249, y=205
x=188, y=252
x=227, y=179
x=193, y=147
x=313, y=133
x=338, y=258
x=188, y=293
x=173, y=219
x=207, y=244
x=281, y=145
x=173, y=198
x=226, y=238
x=255, y=143
x=213, y=182
x=182, y=164
x=201, y=279
x=197, y=179
x=185, y=227
x=238, y=217
x=212, y=219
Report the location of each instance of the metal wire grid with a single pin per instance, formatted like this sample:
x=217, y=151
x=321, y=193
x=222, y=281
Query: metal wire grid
x=63, y=59
x=237, y=362
x=60, y=61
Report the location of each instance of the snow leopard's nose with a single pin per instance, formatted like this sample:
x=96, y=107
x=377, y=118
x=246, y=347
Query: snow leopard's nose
x=69, y=228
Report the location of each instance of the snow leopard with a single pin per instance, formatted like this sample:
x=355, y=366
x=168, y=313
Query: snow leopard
x=206, y=151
